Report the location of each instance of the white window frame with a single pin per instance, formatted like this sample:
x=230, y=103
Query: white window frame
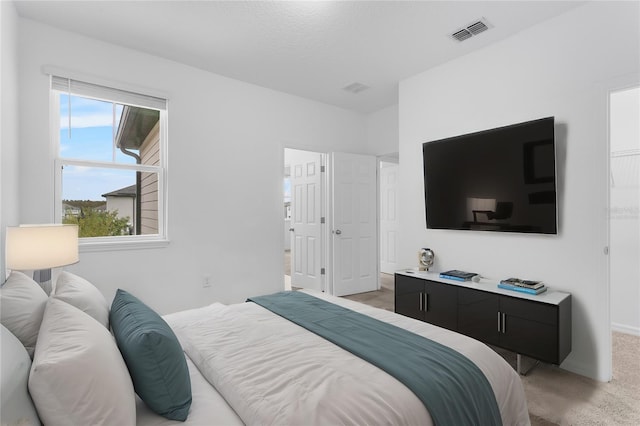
x=95, y=91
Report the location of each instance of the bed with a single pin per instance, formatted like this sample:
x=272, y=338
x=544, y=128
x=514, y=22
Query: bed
x=248, y=365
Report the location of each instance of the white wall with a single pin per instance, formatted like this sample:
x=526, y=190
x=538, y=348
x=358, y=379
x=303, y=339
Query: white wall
x=563, y=67
x=8, y=123
x=625, y=211
x=226, y=141
x=382, y=131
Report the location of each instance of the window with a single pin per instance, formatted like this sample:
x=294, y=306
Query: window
x=110, y=161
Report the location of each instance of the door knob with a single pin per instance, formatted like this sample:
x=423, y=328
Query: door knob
x=337, y=232
x=291, y=229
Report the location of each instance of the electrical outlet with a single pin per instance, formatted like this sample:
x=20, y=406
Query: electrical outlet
x=206, y=281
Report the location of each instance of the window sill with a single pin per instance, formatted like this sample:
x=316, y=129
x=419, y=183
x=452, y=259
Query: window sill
x=116, y=244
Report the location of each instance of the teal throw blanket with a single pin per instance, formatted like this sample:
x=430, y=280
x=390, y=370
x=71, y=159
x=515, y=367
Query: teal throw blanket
x=452, y=388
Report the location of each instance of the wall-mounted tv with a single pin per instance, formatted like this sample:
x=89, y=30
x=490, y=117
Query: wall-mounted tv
x=502, y=179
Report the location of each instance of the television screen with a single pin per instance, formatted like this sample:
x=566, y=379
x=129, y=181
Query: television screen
x=501, y=179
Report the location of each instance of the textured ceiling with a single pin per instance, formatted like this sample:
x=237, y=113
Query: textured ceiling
x=309, y=49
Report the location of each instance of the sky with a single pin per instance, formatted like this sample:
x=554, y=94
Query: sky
x=91, y=138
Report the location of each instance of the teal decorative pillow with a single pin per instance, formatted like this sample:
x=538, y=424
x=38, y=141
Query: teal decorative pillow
x=153, y=356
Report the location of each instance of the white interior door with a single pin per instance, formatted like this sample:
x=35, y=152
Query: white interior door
x=354, y=223
x=388, y=217
x=306, y=212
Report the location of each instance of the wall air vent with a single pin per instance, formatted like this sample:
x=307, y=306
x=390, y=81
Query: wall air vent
x=355, y=88
x=471, y=30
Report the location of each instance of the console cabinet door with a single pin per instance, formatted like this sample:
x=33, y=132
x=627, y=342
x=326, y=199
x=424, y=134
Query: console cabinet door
x=429, y=301
x=408, y=294
x=530, y=328
x=478, y=315
x=441, y=305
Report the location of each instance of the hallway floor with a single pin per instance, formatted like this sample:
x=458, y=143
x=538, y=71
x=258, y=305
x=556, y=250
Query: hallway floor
x=382, y=298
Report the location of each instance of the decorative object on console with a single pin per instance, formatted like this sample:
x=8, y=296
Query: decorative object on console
x=522, y=289
x=523, y=286
x=39, y=248
x=457, y=275
x=426, y=256
x=523, y=283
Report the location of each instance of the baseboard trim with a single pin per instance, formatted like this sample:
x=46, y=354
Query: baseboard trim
x=626, y=329
x=583, y=370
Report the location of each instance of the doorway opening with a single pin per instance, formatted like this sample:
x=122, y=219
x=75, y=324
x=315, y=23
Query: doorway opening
x=304, y=204
x=624, y=229
x=388, y=219
x=287, y=226
x=388, y=222
x=332, y=227
x=624, y=210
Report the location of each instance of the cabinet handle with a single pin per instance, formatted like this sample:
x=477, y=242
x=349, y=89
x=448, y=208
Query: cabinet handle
x=504, y=323
x=421, y=302
x=499, y=325
x=426, y=302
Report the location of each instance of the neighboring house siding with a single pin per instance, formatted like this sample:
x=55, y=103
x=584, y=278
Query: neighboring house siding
x=125, y=206
x=150, y=155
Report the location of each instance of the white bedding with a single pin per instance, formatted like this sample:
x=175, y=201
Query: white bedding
x=207, y=407
x=272, y=371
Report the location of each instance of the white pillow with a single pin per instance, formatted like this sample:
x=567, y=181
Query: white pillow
x=78, y=376
x=83, y=295
x=17, y=407
x=22, y=303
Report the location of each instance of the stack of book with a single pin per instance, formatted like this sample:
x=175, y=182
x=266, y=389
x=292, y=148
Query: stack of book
x=457, y=275
x=524, y=286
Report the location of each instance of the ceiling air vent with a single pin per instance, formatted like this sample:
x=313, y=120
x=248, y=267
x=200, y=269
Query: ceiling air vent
x=462, y=34
x=355, y=88
x=470, y=30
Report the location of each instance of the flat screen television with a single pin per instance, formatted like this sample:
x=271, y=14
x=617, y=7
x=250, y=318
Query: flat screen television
x=502, y=179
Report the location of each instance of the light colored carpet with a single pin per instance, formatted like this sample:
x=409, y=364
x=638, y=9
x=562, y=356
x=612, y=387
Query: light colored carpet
x=558, y=397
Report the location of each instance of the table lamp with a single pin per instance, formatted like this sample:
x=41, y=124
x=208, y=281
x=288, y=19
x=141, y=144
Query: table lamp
x=39, y=248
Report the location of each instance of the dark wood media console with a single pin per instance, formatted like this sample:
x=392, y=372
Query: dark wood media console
x=537, y=326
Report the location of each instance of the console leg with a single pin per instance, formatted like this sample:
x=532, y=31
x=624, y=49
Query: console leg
x=519, y=365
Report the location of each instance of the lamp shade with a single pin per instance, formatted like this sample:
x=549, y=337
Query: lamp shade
x=33, y=247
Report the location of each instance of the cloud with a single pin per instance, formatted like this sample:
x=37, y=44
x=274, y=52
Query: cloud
x=77, y=170
x=86, y=112
x=88, y=120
